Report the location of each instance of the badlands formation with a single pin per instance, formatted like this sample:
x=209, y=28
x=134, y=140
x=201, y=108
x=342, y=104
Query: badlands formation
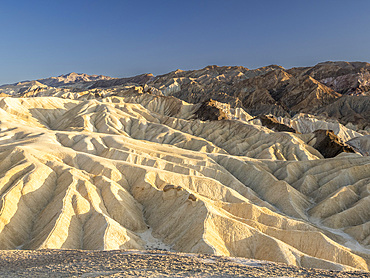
x=267, y=164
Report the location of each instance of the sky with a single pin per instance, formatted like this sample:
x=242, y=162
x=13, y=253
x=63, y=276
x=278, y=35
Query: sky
x=119, y=38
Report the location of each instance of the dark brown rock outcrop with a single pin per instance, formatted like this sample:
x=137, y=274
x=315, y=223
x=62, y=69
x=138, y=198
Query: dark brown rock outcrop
x=208, y=111
x=328, y=144
x=271, y=123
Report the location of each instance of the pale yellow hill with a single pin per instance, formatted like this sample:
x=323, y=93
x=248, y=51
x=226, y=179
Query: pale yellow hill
x=114, y=173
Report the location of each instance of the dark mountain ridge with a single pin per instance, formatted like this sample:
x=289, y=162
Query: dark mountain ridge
x=339, y=90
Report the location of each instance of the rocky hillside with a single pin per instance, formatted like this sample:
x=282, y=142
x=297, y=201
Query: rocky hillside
x=343, y=77
x=325, y=89
x=128, y=164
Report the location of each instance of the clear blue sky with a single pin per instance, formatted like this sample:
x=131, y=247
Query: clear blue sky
x=124, y=38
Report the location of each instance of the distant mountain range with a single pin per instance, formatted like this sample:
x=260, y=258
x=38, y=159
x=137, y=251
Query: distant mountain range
x=339, y=90
x=72, y=78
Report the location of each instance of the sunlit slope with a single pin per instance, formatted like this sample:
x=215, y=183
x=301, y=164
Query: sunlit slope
x=98, y=174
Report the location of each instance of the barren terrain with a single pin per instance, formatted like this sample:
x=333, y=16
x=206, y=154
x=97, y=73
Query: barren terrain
x=133, y=263
x=97, y=163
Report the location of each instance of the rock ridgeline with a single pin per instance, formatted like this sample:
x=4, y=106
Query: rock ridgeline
x=72, y=78
x=337, y=90
x=344, y=77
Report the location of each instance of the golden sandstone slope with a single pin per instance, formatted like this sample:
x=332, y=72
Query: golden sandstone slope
x=103, y=173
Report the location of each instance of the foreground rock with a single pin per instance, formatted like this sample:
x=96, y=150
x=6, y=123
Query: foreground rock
x=123, y=263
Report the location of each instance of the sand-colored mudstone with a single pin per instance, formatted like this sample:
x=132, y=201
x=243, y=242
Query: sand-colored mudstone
x=124, y=171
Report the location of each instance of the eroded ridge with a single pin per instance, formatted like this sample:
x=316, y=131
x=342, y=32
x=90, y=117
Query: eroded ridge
x=119, y=173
